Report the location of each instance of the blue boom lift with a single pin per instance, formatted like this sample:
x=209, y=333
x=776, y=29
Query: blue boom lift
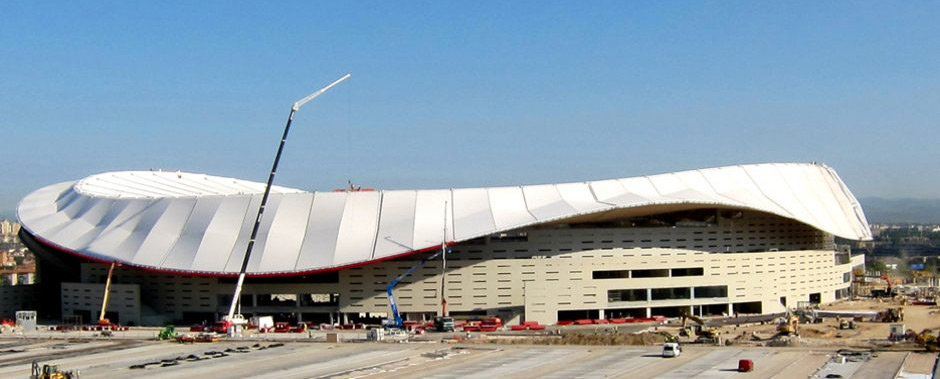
x=396, y=321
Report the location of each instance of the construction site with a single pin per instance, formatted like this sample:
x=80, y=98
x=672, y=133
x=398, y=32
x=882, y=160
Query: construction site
x=892, y=336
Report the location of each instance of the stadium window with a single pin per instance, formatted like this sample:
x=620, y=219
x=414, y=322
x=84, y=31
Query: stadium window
x=691, y=271
x=653, y=273
x=626, y=295
x=671, y=293
x=710, y=292
x=611, y=274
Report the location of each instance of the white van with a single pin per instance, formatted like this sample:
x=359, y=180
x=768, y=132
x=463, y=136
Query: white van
x=671, y=349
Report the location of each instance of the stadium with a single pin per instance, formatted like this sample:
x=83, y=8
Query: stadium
x=745, y=239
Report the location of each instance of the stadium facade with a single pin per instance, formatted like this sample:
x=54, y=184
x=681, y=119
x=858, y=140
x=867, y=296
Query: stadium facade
x=738, y=239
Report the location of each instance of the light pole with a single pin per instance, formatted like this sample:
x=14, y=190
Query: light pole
x=264, y=199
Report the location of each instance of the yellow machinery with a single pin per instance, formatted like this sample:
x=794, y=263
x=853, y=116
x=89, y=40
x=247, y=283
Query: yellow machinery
x=927, y=340
x=51, y=372
x=705, y=334
x=789, y=325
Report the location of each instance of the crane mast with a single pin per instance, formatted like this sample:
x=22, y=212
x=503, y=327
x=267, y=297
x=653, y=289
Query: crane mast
x=264, y=198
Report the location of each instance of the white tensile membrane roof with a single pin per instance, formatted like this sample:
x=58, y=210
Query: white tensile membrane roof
x=200, y=224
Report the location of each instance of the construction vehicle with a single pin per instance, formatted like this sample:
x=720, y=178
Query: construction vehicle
x=808, y=315
x=789, y=325
x=51, y=371
x=168, y=333
x=206, y=337
x=927, y=340
x=236, y=321
x=281, y=327
x=265, y=324
x=444, y=324
x=889, y=290
x=396, y=322
x=891, y=315
x=704, y=333
x=300, y=328
x=668, y=337
x=846, y=323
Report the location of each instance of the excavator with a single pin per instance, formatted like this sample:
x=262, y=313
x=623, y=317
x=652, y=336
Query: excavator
x=927, y=340
x=705, y=333
x=789, y=325
x=889, y=290
x=50, y=371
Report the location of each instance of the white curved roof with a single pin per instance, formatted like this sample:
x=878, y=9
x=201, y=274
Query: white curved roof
x=200, y=224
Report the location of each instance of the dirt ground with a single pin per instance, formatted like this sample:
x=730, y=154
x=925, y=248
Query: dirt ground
x=868, y=334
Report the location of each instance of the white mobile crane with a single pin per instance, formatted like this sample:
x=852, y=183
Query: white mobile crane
x=233, y=321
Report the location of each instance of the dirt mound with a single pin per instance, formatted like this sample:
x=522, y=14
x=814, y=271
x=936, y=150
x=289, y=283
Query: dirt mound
x=814, y=333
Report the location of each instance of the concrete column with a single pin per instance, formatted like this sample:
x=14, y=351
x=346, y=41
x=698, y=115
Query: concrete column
x=649, y=312
x=730, y=310
x=345, y=319
x=600, y=314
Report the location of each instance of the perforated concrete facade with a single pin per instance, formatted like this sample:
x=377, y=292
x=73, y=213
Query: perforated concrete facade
x=543, y=273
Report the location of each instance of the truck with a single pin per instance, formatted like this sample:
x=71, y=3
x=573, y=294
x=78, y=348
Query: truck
x=443, y=324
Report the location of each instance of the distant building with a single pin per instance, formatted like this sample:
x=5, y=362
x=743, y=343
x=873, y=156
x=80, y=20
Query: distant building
x=8, y=231
x=739, y=239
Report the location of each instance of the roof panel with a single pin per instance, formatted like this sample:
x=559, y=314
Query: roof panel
x=287, y=232
x=606, y=190
x=579, y=196
x=118, y=226
x=187, y=245
x=319, y=244
x=162, y=234
x=357, y=230
x=139, y=229
x=221, y=233
x=396, y=224
x=472, y=214
x=236, y=257
x=429, y=218
x=82, y=230
x=642, y=187
x=545, y=202
x=509, y=207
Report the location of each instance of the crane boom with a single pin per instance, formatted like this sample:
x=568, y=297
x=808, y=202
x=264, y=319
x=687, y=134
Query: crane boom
x=396, y=317
x=267, y=191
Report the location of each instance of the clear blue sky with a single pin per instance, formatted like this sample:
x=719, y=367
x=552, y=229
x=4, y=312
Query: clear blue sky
x=453, y=94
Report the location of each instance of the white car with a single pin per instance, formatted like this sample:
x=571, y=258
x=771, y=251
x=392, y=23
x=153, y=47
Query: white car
x=671, y=349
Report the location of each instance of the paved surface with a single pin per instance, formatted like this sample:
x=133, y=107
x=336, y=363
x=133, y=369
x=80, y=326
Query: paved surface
x=291, y=359
x=919, y=364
